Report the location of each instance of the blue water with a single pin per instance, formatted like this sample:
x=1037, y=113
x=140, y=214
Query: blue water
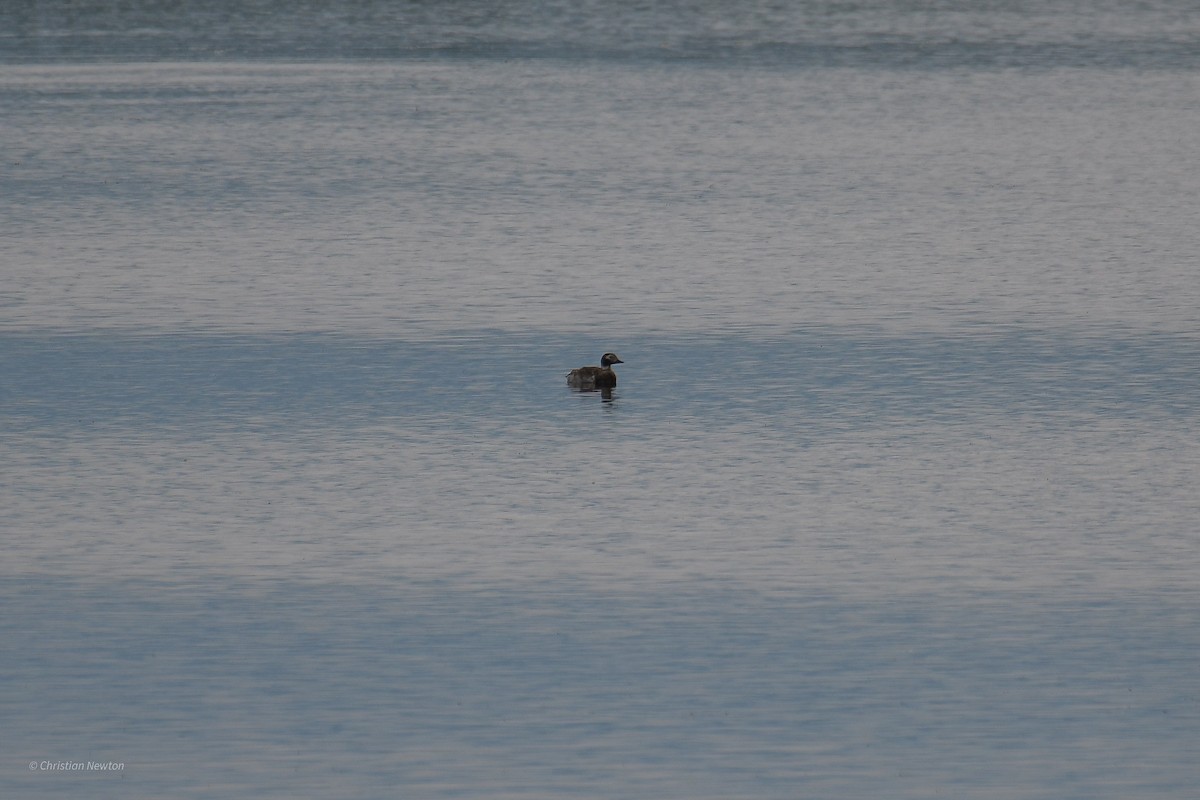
x=895, y=496
x=799, y=383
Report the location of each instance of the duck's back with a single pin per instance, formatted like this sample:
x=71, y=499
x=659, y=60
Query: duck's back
x=592, y=378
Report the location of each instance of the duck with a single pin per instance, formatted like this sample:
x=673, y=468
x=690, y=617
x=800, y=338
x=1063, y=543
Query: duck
x=601, y=377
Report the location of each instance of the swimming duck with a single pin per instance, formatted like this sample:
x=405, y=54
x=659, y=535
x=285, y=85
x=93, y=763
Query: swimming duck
x=601, y=377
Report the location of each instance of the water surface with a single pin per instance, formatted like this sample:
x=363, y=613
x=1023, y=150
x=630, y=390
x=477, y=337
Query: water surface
x=895, y=497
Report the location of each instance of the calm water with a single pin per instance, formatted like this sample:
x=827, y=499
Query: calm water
x=896, y=496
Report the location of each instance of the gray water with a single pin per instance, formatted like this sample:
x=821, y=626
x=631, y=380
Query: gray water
x=896, y=496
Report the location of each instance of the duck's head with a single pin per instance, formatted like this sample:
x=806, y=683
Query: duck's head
x=608, y=359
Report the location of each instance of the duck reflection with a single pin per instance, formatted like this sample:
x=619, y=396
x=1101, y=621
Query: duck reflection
x=606, y=395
